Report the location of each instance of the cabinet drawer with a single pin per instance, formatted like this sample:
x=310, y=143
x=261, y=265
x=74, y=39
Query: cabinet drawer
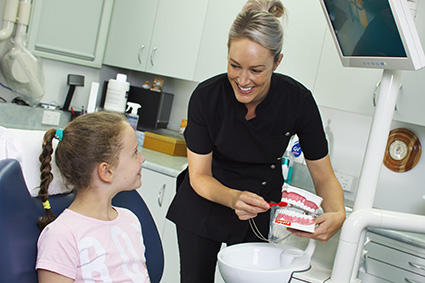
x=391, y=272
x=392, y=253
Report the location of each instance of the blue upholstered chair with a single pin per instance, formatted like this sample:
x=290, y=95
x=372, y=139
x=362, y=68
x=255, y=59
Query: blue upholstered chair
x=19, y=233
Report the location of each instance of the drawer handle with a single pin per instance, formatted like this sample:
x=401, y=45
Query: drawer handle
x=410, y=280
x=152, y=55
x=140, y=53
x=416, y=265
x=161, y=195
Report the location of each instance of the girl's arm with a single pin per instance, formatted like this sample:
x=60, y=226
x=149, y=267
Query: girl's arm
x=45, y=276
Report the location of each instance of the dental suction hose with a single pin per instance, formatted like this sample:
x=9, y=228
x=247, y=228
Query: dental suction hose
x=9, y=18
x=355, y=225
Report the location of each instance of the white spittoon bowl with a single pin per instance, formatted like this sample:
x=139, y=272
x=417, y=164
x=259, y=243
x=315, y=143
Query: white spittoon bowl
x=262, y=262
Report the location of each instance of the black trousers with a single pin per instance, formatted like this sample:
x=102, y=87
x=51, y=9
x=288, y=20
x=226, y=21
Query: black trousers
x=198, y=256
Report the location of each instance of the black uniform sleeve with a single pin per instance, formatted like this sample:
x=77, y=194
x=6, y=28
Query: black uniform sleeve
x=196, y=133
x=310, y=131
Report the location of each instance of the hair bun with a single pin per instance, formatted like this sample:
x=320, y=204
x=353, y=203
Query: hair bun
x=274, y=7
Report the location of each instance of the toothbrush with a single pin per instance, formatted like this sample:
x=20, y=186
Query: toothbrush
x=281, y=204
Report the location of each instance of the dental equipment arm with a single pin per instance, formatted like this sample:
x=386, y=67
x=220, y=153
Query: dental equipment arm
x=9, y=18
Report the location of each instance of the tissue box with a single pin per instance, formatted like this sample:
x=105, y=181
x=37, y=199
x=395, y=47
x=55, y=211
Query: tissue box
x=165, y=144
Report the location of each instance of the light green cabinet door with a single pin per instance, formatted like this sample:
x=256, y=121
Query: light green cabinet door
x=304, y=27
x=157, y=191
x=70, y=31
x=130, y=34
x=212, y=58
x=177, y=37
x=160, y=37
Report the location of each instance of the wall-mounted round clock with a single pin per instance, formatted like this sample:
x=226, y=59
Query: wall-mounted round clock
x=403, y=150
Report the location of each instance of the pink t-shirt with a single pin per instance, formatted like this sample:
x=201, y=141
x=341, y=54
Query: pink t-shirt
x=85, y=248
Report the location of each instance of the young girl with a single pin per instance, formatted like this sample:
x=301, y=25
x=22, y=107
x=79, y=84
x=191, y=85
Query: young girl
x=92, y=241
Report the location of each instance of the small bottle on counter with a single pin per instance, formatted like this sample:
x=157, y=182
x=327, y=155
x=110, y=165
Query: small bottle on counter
x=287, y=166
x=133, y=117
x=288, y=163
x=116, y=94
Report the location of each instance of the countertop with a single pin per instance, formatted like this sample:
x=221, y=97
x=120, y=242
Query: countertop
x=163, y=163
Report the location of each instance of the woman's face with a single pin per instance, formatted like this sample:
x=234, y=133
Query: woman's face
x=249, y=69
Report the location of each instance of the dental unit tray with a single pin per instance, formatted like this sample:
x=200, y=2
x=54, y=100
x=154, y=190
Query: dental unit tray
x=299, y=213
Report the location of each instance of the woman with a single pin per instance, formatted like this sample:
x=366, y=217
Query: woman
x=239, y=125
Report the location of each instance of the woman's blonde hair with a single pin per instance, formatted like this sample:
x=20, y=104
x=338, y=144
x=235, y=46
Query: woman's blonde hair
x=259, y=22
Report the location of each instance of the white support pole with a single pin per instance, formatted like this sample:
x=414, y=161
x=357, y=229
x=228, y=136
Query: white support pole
x=371, y=168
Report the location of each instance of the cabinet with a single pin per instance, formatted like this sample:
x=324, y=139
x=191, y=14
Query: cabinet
x=156, y=36
x=70, y=31
x=394, y=261
x=304, y=27
x=157, y=191
x=212, y=59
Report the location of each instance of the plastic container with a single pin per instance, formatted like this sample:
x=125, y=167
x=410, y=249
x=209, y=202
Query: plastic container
x=116, y=94
x=133, y=117
x=287, y=166
x=288, y=162
x=297, y=151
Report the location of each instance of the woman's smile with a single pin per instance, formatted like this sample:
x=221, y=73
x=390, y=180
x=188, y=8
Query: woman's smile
x=246, y=90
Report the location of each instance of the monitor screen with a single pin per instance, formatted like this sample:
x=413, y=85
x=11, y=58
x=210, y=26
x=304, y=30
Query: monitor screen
x=375, y=33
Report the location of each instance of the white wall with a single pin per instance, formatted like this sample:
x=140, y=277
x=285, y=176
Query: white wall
x=396, y=191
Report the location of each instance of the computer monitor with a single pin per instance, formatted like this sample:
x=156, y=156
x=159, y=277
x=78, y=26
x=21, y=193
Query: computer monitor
x=378, y=34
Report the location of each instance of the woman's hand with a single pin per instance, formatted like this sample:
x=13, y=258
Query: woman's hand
x=328, y=224
x=328, y=187
x=247, y=205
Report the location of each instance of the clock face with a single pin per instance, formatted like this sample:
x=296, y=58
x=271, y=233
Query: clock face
x=398, y=150
x=403, y=150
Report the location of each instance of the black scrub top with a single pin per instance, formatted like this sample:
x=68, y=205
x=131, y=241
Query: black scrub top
x=246, y=153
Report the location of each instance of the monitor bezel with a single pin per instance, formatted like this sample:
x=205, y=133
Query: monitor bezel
x=415, y=56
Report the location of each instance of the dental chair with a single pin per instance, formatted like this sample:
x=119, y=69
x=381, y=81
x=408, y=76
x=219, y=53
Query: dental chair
x=19, y=232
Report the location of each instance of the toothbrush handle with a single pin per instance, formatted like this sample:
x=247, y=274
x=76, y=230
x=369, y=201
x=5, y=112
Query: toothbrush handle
x=282, y=204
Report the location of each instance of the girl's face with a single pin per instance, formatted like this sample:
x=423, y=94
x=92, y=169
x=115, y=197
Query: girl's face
x=249, y=70
x=128, y=171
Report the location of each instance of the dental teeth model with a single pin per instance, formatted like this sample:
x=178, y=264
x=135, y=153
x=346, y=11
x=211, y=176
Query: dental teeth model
x=301, y=211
